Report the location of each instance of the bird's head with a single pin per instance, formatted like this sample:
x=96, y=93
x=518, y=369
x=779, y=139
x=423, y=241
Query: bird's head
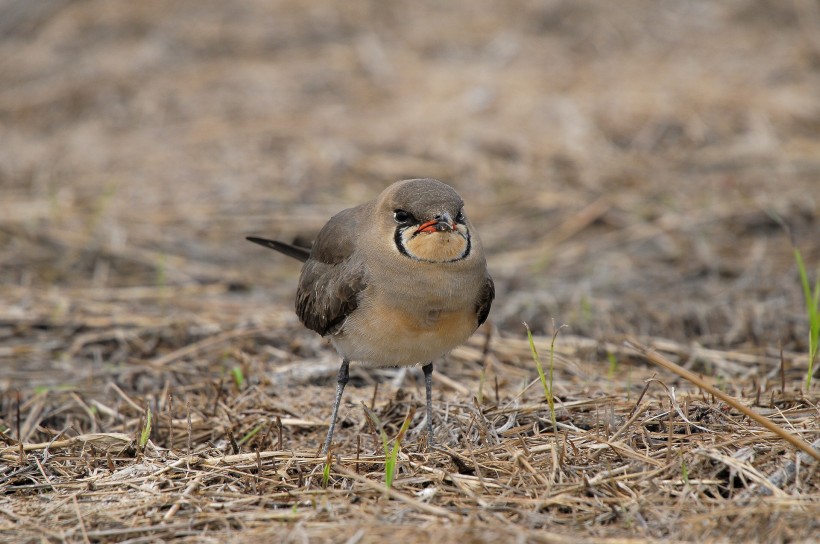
x=426, y=220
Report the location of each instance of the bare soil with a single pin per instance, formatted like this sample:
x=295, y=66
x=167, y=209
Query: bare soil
x=634, y=168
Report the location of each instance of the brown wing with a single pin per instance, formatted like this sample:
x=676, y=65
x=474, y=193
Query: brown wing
x=485, y=300
x=332, y=277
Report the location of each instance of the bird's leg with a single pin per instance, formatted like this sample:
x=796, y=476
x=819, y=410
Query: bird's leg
x=428, y=388
x=341, y=381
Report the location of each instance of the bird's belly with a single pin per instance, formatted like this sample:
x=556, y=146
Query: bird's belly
x=387, y=336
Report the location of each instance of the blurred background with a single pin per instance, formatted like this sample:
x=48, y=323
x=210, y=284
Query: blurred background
x=630, y=165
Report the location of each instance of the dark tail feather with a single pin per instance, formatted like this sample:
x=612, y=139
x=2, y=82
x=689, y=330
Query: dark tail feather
x=297, y=252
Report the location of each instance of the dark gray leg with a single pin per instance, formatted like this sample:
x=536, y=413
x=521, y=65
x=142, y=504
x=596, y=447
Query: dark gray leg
x=341, y=381
x=428, y=388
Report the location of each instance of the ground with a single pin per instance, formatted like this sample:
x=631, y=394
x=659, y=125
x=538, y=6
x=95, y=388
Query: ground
x=635, y=169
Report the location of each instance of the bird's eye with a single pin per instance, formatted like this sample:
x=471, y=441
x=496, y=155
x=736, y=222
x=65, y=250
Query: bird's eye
x=401, y=216
x=460, y=216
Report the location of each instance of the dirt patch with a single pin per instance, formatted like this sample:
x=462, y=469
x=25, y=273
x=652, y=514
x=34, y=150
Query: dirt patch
x=632, y=168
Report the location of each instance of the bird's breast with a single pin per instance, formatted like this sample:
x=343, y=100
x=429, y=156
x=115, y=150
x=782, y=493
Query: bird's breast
x=382, y=333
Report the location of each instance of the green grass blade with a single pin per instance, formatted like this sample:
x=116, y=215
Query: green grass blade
x=145, y=434
x=552, y=371
x=238, y=377
x=613, y=364
x=250, y=434
x=538, y=365
x=391, y=455
x=812, y=298
x=804, y=279
x=390, y=464
x=326, y=473
x=547, y=385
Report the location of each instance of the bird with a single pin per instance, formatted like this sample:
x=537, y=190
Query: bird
x=400, y=280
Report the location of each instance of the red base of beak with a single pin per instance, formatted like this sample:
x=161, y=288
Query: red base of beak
x=435, y=226
x=429, y=226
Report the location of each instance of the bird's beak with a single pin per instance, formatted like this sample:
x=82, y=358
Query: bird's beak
x=442, y=223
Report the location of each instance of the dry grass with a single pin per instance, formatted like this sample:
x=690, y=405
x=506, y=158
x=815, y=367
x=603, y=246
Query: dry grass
x=627, y=164
x=228, y=462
